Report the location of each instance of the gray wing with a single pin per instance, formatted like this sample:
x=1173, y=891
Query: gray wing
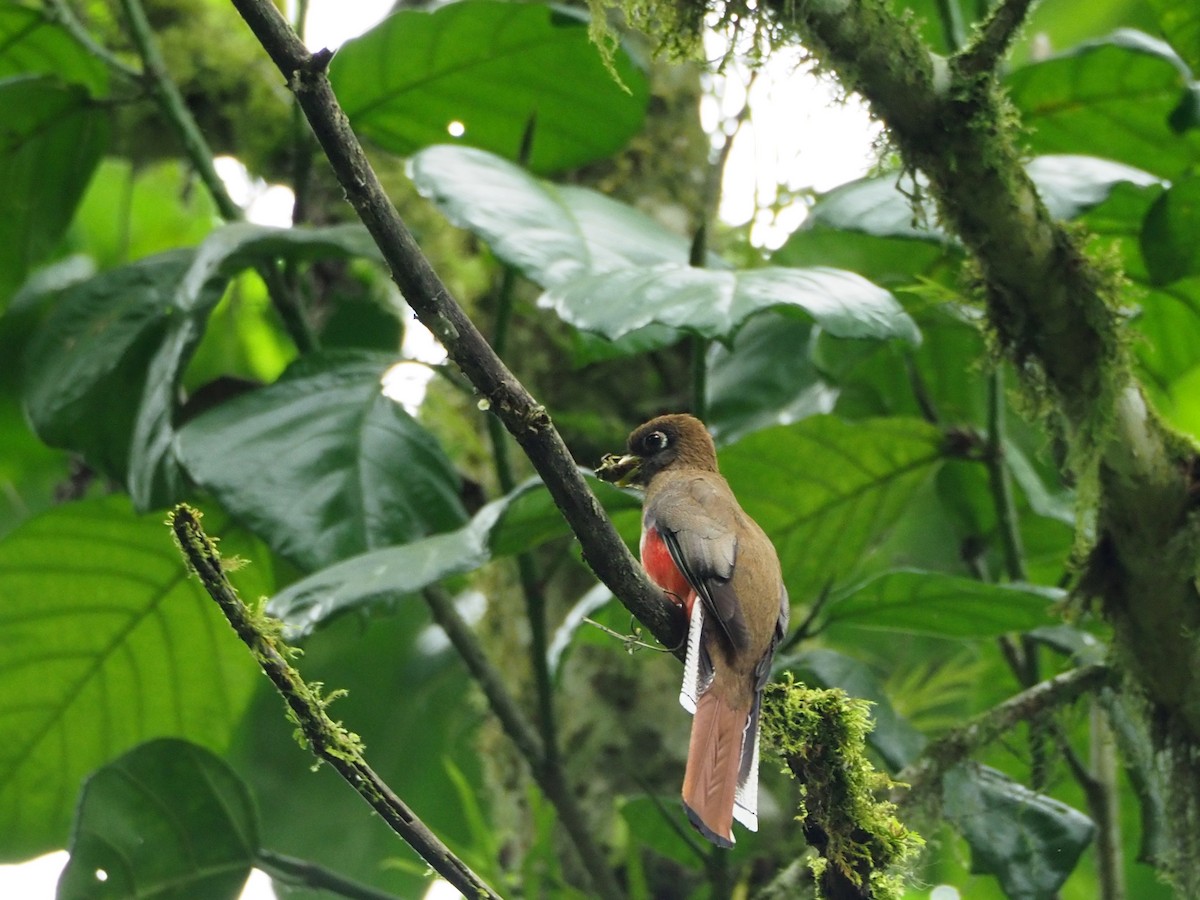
x=695, y=520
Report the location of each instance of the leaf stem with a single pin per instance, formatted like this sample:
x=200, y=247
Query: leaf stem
x=170, y=101
x=60, y=11
x=549, y=775
x=327, y=739
x=306, y=873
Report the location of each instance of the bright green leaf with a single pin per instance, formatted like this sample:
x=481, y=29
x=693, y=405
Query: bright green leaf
x=1179, y=21
x=32, y=44
x=943, y=605
x=168, y=820
x=408, y=81
x=1113, y=98
x=826, y=491
x=108, y=642
x=322, y=464
x=1029, y=841
x=51, y=138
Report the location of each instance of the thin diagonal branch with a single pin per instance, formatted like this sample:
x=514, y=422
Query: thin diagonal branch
x=994, y=37
x=955, y=747
x=434, y=305
x=326, y=738
x=546, y=771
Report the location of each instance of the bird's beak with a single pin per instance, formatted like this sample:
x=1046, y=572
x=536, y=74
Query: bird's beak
x=621, y=470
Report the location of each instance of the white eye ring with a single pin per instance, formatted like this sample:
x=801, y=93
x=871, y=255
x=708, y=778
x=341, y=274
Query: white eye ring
x=656, y=441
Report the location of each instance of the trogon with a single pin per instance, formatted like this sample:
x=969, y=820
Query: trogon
x=698, y=543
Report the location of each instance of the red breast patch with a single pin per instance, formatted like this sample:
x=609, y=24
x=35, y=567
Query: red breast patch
x=656, y=560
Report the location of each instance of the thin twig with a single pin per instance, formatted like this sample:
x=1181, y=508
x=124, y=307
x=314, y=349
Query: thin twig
x=326, y=738
x=171, y=103
x=60, y=11
x=550, y=777
x=993, y=39
x=434, y=305
x=306, y=873
x=925, y=775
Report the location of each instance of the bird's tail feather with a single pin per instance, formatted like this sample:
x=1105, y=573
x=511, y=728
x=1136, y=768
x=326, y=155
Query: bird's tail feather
x=711, y=780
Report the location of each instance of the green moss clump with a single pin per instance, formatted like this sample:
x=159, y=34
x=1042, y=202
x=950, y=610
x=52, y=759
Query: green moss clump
x=821, y=736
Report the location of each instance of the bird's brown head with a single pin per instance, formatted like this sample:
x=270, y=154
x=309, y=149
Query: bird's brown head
x=667, y=442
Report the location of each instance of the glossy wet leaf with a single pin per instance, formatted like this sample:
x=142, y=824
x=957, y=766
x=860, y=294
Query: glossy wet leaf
x=714, y=303
x=170, y=820
x=1029, y=841
x=418, y=74
x=109, y=642
x=943, y=605
x=550, y=233
x=322, y=464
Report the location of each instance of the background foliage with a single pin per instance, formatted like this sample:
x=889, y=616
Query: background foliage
x=925, y=532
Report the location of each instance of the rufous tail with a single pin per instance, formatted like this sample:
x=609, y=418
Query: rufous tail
x=710, y=780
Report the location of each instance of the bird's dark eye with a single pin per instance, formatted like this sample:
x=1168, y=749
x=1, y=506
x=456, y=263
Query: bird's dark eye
x=655, y=441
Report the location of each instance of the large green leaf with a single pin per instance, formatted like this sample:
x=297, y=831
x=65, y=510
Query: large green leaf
x=491, y=68
x=32, y=44
x=169, y=820
x=103, y=371
x=1114, y=98
x=826, y=491
x=714, y=303
x=107, y=643
x=520, y=521
x=322, y=464
x=942, y=605
x=51, y=138
x=1029, y=841
x=550, y=233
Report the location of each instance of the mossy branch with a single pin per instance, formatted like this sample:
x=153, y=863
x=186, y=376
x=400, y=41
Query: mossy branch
x=328, y=740
x=863, y=849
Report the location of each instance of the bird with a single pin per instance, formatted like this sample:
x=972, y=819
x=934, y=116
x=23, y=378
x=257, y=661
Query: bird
x=699, y=544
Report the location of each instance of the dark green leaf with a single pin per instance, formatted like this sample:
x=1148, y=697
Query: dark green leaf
x=892, y=737
x=714, y=303
x=120, y=342
x=891, y=262
x=650, y=826
x=1112, y=98
x=1169, y=244
x=405, y=82
x=943, y=605
x=763, y=378
x=548, y=232
x=108, y=643
x=32, y=44
x=51, y=138
x=169, y=819
x=1029, y=841
x=367, y=473
x=826, y=491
